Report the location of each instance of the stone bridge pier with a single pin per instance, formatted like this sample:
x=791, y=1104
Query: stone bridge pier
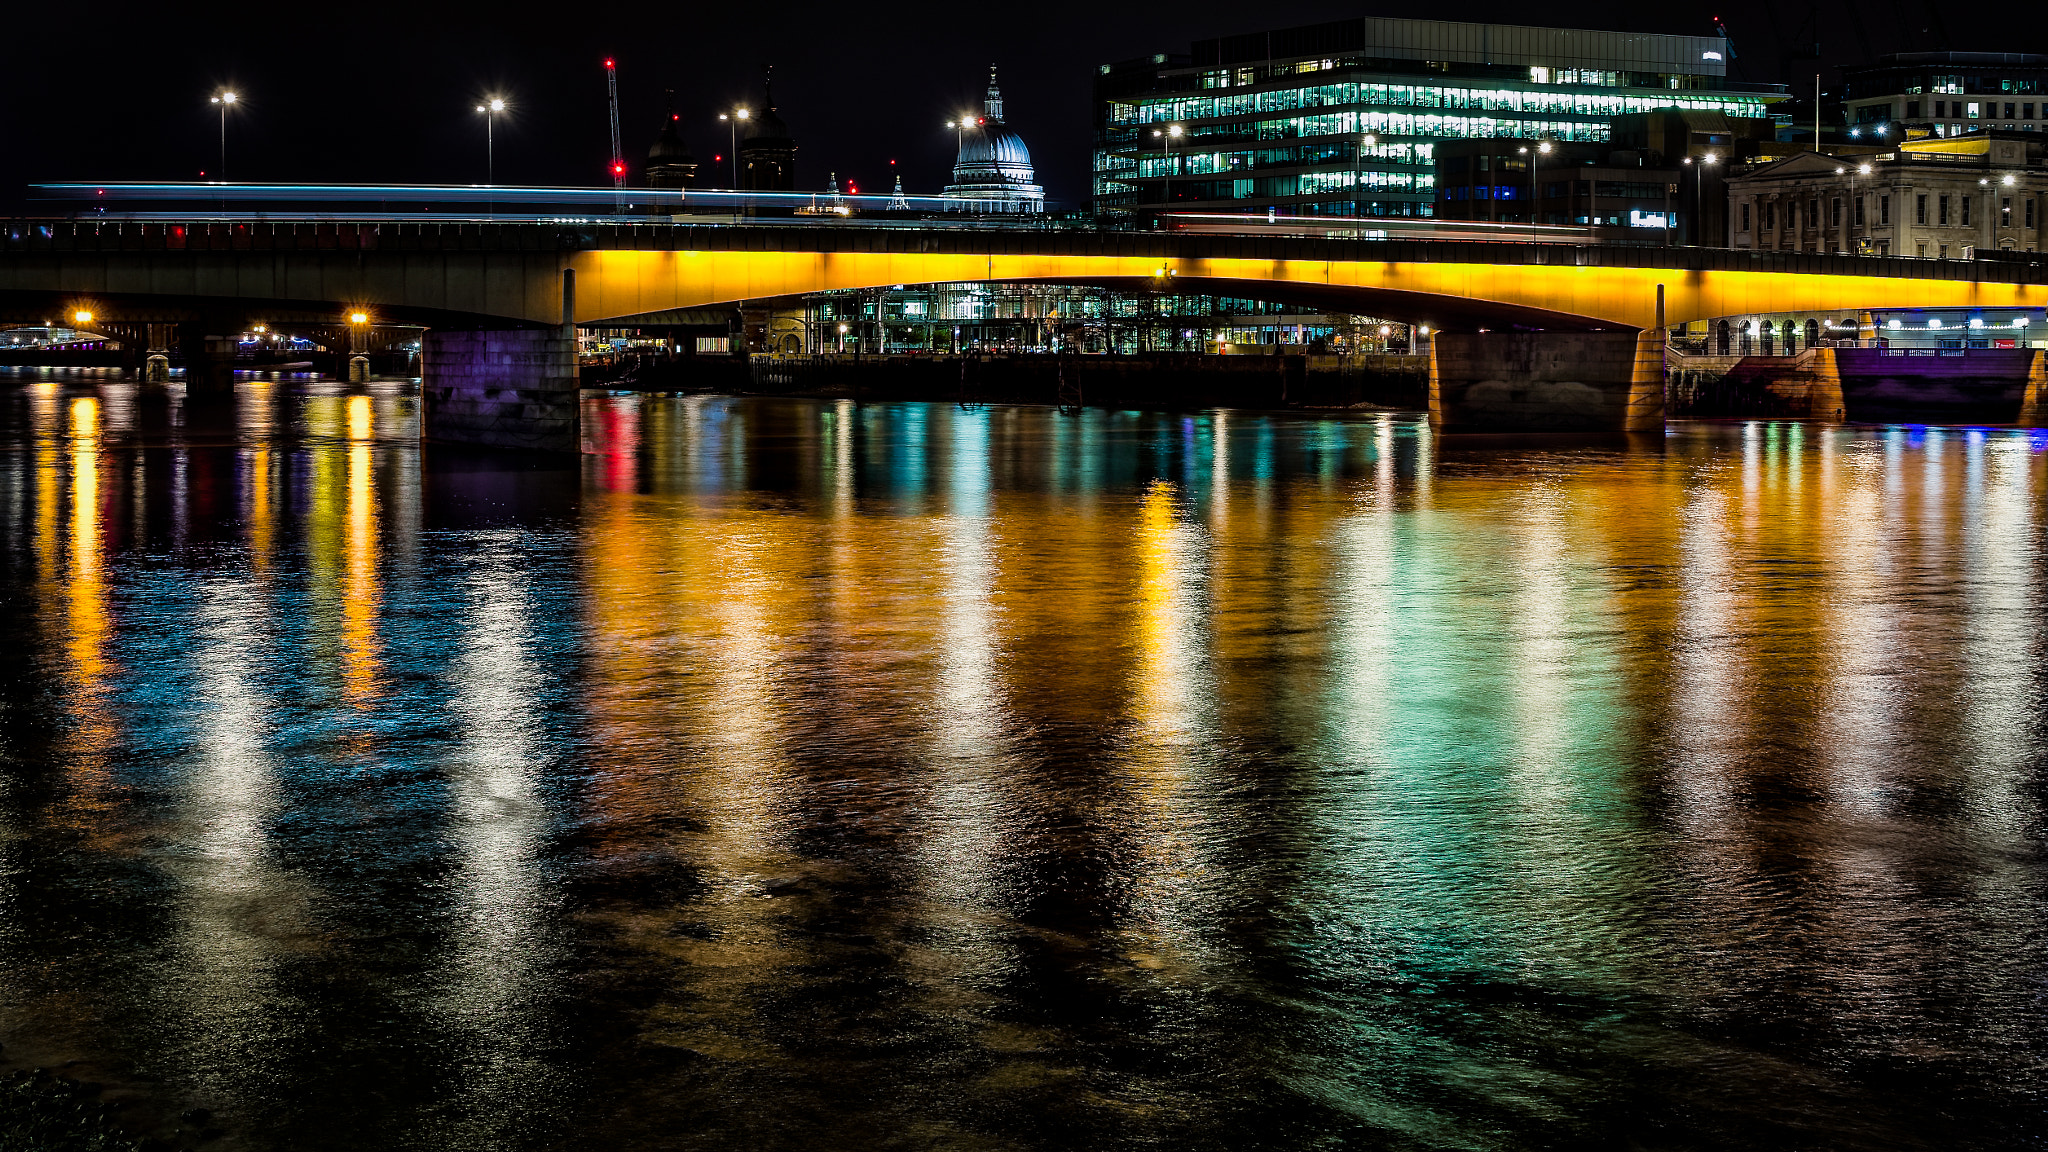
x=504, y=388
x=1547, y=381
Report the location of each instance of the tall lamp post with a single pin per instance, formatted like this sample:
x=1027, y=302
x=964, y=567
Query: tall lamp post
x=960, y=124
x=490, y=109
x=1365, y=140
x=1863, y=244
x=1171, y=134
x=1542, y=148
x=224, y=101
x=1699, y=196
x=732, y=123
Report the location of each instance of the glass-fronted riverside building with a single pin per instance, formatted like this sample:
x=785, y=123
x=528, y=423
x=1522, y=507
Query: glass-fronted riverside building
x=1342, y=119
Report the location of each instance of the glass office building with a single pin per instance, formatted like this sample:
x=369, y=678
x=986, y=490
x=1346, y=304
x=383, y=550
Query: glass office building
x=1947, y=93
x=1342, y=119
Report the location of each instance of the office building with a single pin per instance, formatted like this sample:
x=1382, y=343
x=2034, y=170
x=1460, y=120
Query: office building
x=1947, y=94
x=1343, y=119
x=1931, y=196
x=1658, y=180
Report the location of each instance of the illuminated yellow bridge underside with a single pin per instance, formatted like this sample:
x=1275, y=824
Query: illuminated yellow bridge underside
x=620, y=284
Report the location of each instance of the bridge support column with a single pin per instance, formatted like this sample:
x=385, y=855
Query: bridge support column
x=501, y=389
x=209, y=360
x=512, y=388
x=1547, y=381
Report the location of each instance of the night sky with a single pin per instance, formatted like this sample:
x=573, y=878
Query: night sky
x=380, y=92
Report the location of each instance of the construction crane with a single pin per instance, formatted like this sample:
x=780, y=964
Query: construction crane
x=611, y=79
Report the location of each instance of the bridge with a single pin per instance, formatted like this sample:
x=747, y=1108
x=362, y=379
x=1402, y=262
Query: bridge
x=1528, y=335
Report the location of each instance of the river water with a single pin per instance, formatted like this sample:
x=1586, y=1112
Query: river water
x=804, y=775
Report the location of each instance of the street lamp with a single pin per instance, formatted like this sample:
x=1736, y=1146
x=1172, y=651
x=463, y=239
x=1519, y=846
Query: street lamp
x=82, y=316
x=1542, y=149
x=1699, y=194
x=732, y=124
x=960, y=124
x=1365, y=140
x=223, y=100
x=1172, y=133
x=490, y=111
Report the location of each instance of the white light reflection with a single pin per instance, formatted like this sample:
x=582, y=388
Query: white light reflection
x=242, y=915
x=1710, y=660
x=2001, y=656
x=498, y=963
x=1856, y=736
x=1543, y=671
x=971, y=812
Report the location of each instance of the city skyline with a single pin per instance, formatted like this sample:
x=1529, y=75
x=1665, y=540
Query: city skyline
x=856, y=95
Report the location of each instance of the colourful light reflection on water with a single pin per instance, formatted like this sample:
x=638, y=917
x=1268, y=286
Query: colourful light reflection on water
x=804, y=773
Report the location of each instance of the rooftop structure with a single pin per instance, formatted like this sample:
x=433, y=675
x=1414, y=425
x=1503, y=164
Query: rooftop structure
x=768, y=155
x=669, y=162
x=1946, y=93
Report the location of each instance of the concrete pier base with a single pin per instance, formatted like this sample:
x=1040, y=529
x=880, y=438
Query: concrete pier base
x=1547, y=381
x=501, y=389
x=209, y=358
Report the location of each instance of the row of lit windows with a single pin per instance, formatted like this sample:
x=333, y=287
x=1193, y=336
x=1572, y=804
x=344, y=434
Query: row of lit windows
x=1173, y=108
x=1216, y=163
x=1589, y=77
x=1296, y=184
x=1957, y=85
x=1393, y=124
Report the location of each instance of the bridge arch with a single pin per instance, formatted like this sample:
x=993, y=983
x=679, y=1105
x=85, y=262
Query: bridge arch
x=1443, y=291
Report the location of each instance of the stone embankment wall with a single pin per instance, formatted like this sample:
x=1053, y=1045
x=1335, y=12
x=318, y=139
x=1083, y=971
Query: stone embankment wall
x=1929, y=386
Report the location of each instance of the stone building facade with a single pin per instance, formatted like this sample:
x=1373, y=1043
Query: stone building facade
x=1932, y=197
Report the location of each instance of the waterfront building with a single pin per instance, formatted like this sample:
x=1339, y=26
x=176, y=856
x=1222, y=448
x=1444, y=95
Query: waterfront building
x=1025, y=318
x=669, y=162
x=1343, y=119
x=1946, y=94
x=992, y=172
x=1900, y=329
x=768, y=154
x=1930, y=196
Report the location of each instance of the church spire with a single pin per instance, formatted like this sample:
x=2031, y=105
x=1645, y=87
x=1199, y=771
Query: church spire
x=992, y=107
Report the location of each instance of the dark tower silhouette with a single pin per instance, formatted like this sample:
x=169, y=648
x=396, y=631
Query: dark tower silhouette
x=669, y=163
x=768, y=157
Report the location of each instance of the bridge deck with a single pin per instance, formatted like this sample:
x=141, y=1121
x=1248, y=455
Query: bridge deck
x=88, y=236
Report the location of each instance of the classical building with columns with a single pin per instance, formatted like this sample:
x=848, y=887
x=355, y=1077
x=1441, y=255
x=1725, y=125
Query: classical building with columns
x=1933, y=197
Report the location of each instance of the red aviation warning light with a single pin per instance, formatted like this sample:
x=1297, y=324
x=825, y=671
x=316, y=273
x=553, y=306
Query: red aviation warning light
x=611, y=82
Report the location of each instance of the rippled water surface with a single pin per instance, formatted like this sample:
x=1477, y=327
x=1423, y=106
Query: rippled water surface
x=805, y=775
